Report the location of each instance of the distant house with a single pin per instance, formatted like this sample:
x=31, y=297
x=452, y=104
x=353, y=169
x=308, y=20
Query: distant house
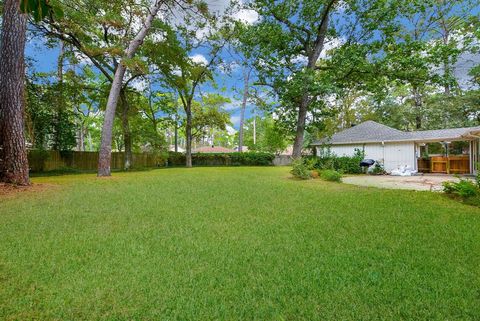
x=454, y=150
x=244, y=148
x=171, y=148
x=213, y=149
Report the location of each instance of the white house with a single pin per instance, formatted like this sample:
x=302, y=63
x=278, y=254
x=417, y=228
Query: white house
x=454, y=150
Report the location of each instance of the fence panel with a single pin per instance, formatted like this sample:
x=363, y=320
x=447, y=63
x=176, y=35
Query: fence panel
x=54, y=160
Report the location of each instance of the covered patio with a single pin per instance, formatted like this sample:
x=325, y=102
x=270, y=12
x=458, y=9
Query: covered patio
x=458, y=154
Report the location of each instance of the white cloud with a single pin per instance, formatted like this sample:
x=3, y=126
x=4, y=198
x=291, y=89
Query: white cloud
x=247, y=16
x=82, y=59
x=177, y=72
x=139, y=84
x=329, y=45
x=199, y=59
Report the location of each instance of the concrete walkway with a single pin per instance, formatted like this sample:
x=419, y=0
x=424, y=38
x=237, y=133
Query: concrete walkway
x=426, y=182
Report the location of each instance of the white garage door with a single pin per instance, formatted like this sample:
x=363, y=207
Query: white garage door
x=399, y=155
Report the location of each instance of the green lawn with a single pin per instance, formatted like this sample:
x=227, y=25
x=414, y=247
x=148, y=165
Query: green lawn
x=234, y=244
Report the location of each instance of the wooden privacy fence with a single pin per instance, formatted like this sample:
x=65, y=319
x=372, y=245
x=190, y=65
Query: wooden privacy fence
x=53, y=160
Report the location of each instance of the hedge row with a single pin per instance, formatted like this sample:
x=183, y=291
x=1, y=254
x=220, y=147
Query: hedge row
x=230, y=159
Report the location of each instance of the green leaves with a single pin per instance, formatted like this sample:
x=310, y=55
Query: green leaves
x=40, y=9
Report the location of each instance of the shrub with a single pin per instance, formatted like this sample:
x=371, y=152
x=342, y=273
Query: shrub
x=230, y=159
x=310, y=162
x=300, y=169
x=314, y=174
x=463, y=188
x=331, y=175
x=377, y=169
x=176, y=159
x=343, y=164
x=251, y=159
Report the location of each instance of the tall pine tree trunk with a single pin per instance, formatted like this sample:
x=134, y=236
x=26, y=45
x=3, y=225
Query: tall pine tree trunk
x=13, y=153
x=106, y=141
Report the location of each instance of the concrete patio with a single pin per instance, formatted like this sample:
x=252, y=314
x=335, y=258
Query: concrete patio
x=426, y=182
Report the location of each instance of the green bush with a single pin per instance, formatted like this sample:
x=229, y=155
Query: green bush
x=467, y=190
x=176, y=159
x=342, y=164
x=330, y=175
x=251, y=159
x=377, y=169
x=225, y=159
x=300, y=169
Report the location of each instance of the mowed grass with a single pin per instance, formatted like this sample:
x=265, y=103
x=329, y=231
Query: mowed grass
x=234, y=244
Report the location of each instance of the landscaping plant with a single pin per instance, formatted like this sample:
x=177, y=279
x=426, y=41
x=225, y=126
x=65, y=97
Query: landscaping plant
x=465, y=190
x=343, y=164
x=330, y=175
x=377, y=169
x=300, y=169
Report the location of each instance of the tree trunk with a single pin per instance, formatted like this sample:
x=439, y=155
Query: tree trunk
x=59, y=99
x=81, y=137
x=127, y=135
x=305, y=100
x=302, y=116
x=188, y=134
x=13, y=153
x=417, y=98
x=246, y=79
x=106, y=142
x=254, y=127
x=176, y=133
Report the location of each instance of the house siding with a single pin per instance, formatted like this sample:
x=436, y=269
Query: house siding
x=392, y=155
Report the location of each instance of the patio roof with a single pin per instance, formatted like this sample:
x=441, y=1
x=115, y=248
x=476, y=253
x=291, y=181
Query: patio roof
x=373, y=132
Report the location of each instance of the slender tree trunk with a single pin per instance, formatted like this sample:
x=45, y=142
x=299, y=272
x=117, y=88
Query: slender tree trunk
x=127, y=135
x=254, y=127
x=188, y=134
x=106, y=142
x=13, y=153
x=417, y=98
x=81, y=137
x=176, y=133
x=246, y=78
x=59, y=99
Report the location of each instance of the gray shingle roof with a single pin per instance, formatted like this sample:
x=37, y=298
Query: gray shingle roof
x=373, y=132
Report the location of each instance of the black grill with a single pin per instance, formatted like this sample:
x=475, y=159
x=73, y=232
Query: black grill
x=367, y=162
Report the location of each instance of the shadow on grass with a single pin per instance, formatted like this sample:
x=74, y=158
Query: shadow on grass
x=74, y=171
